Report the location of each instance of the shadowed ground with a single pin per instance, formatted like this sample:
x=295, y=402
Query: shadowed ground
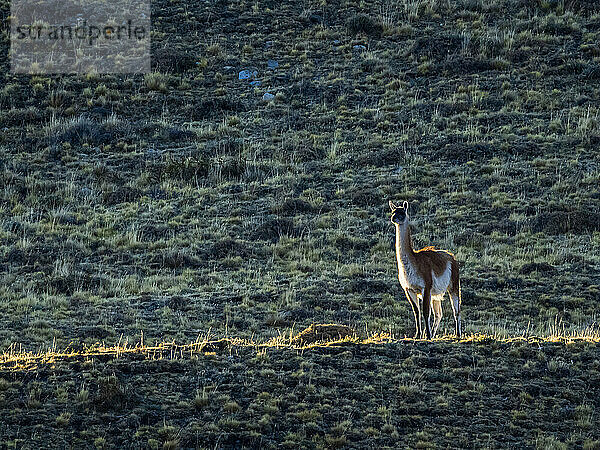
x=480, y=392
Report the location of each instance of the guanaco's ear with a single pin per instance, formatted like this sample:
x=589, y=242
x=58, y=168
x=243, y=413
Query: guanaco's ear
x=392, y=206
x=405, y=205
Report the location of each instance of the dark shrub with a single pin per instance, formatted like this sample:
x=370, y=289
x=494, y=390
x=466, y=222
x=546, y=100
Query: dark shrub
x=178, y=134
x=368, y=286
x=232, y=168
x=187, y=168
x=263, y=297
x=559, y=222
x=273, y=228
x=172, y=60
x=362, y=23
x=293, y=206
x=526, y=269
x=95, y=332
x=366, y=197
x=213, y=106
x=111, y=395
x=228, y=247
x=121, y=194
x=439, y=46
x=591, y=72
x=175, y=259
x=225, y=146
x=85, y=130
x=72, y=282
x=457, y=64
x=178, y=303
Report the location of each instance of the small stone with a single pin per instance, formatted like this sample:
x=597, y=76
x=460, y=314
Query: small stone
x=272, y=64
x=247, y=74
x=267, y=97
x=359, y=47
x=255, y=83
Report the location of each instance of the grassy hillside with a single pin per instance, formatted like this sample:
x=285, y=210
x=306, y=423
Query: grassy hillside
x=188, y=201
x=181, y=201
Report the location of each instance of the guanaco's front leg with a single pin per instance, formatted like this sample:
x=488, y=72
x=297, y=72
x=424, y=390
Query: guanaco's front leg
x=414, y=302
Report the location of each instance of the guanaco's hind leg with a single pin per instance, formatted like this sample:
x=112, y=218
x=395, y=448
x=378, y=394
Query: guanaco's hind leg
x=414, y=302
x=455, y=300
x=436, y=303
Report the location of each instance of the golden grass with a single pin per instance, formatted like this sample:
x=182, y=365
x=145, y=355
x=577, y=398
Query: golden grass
x=16, y=359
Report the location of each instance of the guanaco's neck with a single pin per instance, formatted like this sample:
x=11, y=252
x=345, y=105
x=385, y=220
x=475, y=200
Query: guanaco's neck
x=404, y=248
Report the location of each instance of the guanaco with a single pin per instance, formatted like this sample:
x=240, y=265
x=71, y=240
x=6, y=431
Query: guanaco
x=425, y=276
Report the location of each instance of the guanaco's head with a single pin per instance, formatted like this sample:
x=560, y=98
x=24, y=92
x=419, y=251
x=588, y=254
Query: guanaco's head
x=399, y=213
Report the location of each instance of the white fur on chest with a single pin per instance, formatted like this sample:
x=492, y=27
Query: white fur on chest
x=408, y=276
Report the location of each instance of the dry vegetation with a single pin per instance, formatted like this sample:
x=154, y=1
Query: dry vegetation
x=184, y=203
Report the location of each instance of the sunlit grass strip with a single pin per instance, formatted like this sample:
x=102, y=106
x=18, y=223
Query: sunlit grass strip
x=551, y=330
x=171, y=350
x=14, y=358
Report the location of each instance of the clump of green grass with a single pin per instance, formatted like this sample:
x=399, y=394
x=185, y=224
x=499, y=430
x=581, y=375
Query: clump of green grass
x=63, y=419
x=231, y=407
x=156, y=81
x=202, y=399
